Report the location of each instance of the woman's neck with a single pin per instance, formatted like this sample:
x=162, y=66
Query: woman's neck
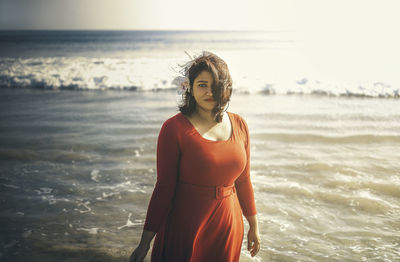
x=205, y=116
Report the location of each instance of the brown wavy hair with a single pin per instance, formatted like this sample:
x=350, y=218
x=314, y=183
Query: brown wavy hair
x=221, y=88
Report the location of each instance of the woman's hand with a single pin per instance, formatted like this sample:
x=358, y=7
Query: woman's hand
x=139, y=253
x=253, y=241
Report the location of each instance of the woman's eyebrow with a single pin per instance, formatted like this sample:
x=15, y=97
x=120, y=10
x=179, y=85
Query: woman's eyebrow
x=202, y=81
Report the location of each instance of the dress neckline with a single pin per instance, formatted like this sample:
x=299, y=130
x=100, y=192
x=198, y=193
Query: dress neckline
x=208, y=140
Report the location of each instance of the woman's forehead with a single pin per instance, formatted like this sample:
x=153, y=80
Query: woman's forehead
x=204, y=76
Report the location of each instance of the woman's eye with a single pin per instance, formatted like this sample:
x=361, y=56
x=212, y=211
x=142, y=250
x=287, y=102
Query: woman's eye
x=202, y=85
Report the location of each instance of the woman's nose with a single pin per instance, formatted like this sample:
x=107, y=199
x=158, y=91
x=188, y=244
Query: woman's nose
x=209, y=91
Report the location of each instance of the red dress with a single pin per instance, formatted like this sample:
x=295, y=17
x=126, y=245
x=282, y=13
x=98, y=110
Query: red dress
x=202, y=189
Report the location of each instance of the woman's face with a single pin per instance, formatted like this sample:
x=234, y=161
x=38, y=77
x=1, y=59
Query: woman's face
x=202, y=91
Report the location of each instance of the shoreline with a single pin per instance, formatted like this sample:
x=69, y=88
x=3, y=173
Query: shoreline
x=174, y=90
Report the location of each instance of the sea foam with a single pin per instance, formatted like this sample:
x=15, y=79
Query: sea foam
x=155, y=74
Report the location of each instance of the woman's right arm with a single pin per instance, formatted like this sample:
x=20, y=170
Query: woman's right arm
x=168, y=156
x=140, y=252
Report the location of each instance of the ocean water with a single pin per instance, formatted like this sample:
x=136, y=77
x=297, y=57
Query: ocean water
x=80, y=113
x=274, y=62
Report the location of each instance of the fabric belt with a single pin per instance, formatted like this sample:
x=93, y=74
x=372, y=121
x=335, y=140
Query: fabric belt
x=218, y=192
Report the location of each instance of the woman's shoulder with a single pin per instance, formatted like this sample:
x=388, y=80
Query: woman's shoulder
x=240, y=121
x=174, y=122
x=170, y=128
x=174, y=118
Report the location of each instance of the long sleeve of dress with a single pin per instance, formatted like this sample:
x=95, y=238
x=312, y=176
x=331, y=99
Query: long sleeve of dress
x=243, y=184
x=168, y=154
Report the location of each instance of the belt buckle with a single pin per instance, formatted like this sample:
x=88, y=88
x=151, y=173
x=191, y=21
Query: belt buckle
x=218, y=192
x=222, y=191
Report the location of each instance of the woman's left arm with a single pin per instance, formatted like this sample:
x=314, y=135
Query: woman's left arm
x=245, y=194
x=253, y=236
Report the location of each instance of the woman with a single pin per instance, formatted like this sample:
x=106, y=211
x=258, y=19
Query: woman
x=203, y=175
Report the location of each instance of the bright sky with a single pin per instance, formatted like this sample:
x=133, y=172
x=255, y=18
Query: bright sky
x=144, y=14
x=193, y=15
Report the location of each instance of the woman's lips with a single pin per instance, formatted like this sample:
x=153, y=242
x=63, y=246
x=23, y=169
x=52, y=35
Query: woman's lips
x=210, y=100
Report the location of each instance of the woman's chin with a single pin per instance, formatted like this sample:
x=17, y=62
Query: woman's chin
x=207, y=107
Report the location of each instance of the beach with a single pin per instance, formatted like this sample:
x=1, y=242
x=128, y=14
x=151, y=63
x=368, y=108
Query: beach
x=78, y=169
x=78, y=141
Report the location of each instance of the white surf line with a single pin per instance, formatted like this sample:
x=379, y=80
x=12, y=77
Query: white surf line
x=129, y=223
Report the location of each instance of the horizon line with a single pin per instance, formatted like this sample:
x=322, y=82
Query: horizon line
x=176, y=30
